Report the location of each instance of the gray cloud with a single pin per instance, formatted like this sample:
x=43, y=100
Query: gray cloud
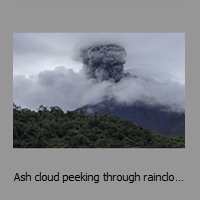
x=157, y=59
x=70, y=90
x=104, y=62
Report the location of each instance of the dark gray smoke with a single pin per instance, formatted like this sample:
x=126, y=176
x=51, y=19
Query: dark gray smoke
x=104, y=62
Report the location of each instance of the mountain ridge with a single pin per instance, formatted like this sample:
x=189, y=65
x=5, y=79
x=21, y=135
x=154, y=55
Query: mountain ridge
x=158, y=119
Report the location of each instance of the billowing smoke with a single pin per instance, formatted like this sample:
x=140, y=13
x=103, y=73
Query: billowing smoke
x=104, y=62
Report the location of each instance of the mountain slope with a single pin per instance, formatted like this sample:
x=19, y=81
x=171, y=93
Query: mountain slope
x=155, y=118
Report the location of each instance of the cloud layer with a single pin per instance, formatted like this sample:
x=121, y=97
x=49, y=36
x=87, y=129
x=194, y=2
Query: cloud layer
x=70, y=90
x=158, y=60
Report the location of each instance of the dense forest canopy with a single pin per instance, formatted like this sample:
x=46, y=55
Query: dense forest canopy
x=54, y=128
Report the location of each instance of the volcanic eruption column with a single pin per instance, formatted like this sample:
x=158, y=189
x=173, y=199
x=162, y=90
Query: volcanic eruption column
x=104, y=62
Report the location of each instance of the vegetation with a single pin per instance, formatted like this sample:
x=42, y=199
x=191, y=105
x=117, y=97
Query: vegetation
x=52, y=128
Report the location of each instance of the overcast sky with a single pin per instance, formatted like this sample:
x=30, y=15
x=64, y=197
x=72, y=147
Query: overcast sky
x=47, y=69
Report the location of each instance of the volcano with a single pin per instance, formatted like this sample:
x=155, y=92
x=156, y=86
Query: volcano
x=155, y=118
x=106, y=63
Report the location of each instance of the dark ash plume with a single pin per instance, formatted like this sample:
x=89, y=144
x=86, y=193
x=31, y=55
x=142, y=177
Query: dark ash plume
x=104, y=62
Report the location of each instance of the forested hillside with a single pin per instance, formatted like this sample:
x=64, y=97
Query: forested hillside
x=53, y=128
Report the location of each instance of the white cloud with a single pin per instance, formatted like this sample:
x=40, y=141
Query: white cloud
x=70, y=90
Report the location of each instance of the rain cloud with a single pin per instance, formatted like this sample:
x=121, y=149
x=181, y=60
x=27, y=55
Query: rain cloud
x=108, y=71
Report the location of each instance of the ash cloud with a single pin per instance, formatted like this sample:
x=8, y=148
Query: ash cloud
x=104, y=62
